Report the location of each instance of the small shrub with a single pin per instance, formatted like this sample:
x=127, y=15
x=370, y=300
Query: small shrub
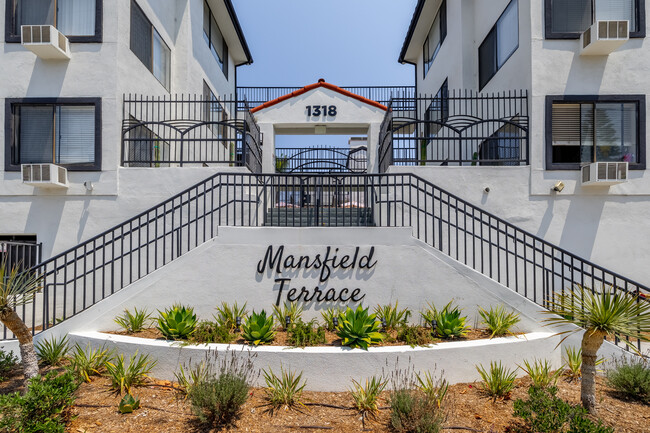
x=128, y=404
x=190, y=375
x=303, y=334
x=449, y=322
x=544, y=412
x=394, y=317
x=211, y=332
x=434, y=388
x=258, y=329
x=359, y=329
x=283, y=390
x=498, y=381
x=366, y=396
x=123, y=376
x=411, y=411
x=134, y=322
x=88, y=362
x=227, y=315
x=177, y=322
x=573, y=363
x=52, y=351
x=415, y=336
x=7, y=362
x=43, y=407
x=631, y=377
x=291, y=310
x=541, y=373
x=328, y=316
x=498, y=320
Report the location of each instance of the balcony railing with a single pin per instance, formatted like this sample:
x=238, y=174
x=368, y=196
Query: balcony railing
x=460, y=128
x=321, y=160
x=189, y=130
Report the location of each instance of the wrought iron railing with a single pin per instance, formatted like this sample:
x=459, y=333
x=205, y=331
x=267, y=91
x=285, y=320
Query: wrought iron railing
x=189, y=130
x=324, y=159
x=456, y=128
x=82, y=276
x=23, y=255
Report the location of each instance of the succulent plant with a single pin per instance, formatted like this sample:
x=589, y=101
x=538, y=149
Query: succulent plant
x=359, y=329
x=129, y=403
x=258, y=328
x=449, y=322
x=177, y=322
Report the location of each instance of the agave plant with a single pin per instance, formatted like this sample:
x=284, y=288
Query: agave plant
x=448, y=321
x=359, y=329
x=177, y=322
x=128, y=404
x=258, y=328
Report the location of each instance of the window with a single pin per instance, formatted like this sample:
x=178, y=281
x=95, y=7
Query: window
x=567, y=19
x=146, y=148
x=503, y=148
x=435, y=38
x=79, y=20
x=581, y=130
x=149, y=47
x=60, y=131
x=214, y=38
x=21, y=251
x=499, y=44
x=438, y=111
x=215, y=112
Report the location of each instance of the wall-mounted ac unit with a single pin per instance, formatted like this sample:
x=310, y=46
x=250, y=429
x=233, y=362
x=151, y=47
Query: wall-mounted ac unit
x=45, y=41
x=45, y=175
x=603, y=37
x=604, y=173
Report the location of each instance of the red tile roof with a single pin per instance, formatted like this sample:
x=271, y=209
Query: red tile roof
x=321, y=83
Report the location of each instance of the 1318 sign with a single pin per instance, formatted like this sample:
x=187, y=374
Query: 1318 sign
x=321, y=110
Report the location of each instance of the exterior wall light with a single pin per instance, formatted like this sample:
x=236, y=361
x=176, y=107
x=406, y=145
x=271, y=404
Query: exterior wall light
x=89, y=185
x=434, y=324
x=335, y=322
x=486, y=190
x=237, y=323
x=559, y=186
x=287, y=322
x=383, y=324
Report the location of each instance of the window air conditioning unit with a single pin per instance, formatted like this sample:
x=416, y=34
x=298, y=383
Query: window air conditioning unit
x=45, y=41
x=604, y=173
x=45, y=175
x=603, y=37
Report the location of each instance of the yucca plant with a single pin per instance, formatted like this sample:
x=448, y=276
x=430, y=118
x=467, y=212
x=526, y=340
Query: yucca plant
x=393, y=316
x=190, y=375
x=572, y=363
x=133, y=322
x=498, y=320
x=366, y=396
x=498, y=381
x=359, y=329
x=283, y=390
x=124, y=376
x=53, y=351
x=434, y=388
x=258, y=328
x=177, y=322
x=606, y=313
x=449, y=322
x=86, y=362
x=328, y=316
x=291, y=310
x=541, y=373
x=227, y=315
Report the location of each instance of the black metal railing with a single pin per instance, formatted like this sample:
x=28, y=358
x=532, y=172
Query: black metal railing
x=324, y=159
x=81, y=276
x=382, y=94
x=190, y=130
x=23, y=255
x=456, y=128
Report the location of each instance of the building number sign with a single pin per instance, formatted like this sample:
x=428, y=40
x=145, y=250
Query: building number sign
x=321, y=110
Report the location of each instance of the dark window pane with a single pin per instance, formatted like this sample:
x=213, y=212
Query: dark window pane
x=141, y=35
x=34, y=12
x=35, y=137
x=571, y=16
x=487, y=58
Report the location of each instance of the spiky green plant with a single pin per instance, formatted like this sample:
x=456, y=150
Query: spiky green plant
x=291, y=310
x=227, y=315
x=434, y=388
x=449, y=322
x=498, y=320
x=394, y=317
x=285, y=389
x=572, y=363
x=190, y=375
x=177, y=322
x=359, y=329
x=258, y=328
x=328, y=316
x=123, y=376
x=53, y=351
x=134, y=322
x=541, y=373
x=605, y=313
x=498, y=381
x=86, y=362
x=366, y=396
x=128, y=404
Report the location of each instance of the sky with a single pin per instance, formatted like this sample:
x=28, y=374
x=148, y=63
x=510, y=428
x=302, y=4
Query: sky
x=346, y=42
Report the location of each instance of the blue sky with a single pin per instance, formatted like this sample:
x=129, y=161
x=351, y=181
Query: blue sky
x=347, y=42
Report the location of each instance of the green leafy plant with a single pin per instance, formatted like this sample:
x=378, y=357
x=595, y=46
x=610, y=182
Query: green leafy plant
x=86, y=362
x=435, y=388
x=541, y=373
x=328, y=316
x=394, y=317
x=415, y=336
x=631, y=377
x=211, y=332
x=191, y=374
x=303, y=334
x=283, y=390
x=124, y=376
x=133, y=322
x=449, y=323
x=366, y=396
x=498, y=320
x=177, y=322
x=359, y=329
x=227, y=315
x=53, y=351
x=573, y=363
x=258, y=328
x=43, y=407
x=498, y=381
x=128, y=404
x=291, y=310
x=544, y=412
x=7, y=362
x=411, y=411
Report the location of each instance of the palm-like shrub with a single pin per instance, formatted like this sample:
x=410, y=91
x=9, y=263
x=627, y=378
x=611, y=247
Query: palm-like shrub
x=227, y=315
x=357, y=328
x=291, y=310
x=328, y=316
x=177, y=322
x=258, y=328
x=498, y=320
x=394, y=317
x=605, y=313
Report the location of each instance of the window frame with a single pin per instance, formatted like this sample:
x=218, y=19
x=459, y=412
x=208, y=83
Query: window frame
x=442, y=14
x=577, y=99
x=12, y=35
x=154, y=31
x=11, y=133
x=550, y=34
x=494, y=30
x=225, y=64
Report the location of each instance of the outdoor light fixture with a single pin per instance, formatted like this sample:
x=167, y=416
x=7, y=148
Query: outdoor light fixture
x=559, y=186
x=238, y=323
x=89, y=185
x=335, y=322
x=287, y=321
x=383, y=324
x=486, y=189
x=434, y=325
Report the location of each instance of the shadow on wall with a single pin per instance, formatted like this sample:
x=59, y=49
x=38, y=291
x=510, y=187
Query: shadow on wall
x=47, y=78
x=581, y=225
x=44, y=219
